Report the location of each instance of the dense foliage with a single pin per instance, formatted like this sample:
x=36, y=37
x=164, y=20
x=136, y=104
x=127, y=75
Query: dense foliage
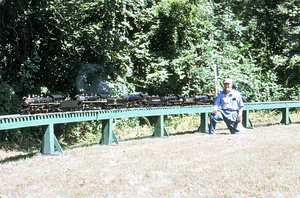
x=148, y=46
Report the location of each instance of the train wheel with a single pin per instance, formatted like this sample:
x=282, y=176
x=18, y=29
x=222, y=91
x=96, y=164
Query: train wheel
x=100, y=106
x=25, y=112
x=80, y=107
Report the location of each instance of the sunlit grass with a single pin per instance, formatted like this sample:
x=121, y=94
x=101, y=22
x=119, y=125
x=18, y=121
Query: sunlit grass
x=262, y=162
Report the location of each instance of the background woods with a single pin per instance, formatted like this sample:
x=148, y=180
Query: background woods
x=149, y=46
x=154, y=47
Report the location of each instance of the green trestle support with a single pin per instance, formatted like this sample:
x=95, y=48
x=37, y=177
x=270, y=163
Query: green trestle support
x=285, y=116
x=159, y=129
x=203, y=123
x=108, y=133
x=50, y=142
x=246, y=120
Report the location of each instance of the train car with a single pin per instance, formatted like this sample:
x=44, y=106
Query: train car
x=56, y=103
x=116, y=102
x=174, y=100
x=206, y=99
x=40, y=104
x=137, y=100
x=93, y=102
x=154, y=101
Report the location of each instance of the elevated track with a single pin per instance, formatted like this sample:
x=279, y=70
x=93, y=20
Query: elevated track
x=50, y=144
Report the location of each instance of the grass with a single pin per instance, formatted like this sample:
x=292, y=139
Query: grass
x=262, y=162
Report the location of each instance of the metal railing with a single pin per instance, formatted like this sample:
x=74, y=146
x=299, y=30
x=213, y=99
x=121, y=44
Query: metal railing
x=50, y=142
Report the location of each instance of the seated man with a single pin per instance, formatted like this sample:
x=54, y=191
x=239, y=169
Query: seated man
x=232, y=108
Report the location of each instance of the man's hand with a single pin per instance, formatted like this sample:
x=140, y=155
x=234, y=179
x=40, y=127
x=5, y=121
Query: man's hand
x=238, y=119
x=214, y=112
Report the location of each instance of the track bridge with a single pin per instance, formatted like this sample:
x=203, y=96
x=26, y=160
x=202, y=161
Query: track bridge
x=50, y=144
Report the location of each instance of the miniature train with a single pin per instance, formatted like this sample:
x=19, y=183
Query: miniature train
x=57, y=103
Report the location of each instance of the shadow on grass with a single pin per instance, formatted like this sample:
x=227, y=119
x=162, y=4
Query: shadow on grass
x=152, y=136
x=135, y=138
x=18, y=157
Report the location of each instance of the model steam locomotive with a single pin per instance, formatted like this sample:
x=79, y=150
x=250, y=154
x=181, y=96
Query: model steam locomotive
x=57, y=103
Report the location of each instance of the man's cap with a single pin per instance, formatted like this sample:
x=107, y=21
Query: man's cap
x=227, y=80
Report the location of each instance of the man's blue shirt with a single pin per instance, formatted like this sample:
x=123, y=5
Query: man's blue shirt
x=231, y=101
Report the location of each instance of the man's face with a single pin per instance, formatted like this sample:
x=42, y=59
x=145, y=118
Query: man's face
x=227, y=87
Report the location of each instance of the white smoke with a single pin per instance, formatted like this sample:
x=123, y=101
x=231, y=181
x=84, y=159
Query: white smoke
x=89, y=80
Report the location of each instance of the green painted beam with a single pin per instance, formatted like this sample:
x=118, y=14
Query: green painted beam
x=203, y=123
x=50, y=142
x=285, y=116
x=48, y=120
x=271, y=105
x=159, y=129
x=57, y=118
x=246, y=119
x=108, y=133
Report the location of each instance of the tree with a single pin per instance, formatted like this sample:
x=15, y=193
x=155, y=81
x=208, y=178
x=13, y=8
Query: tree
x=272, y=33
